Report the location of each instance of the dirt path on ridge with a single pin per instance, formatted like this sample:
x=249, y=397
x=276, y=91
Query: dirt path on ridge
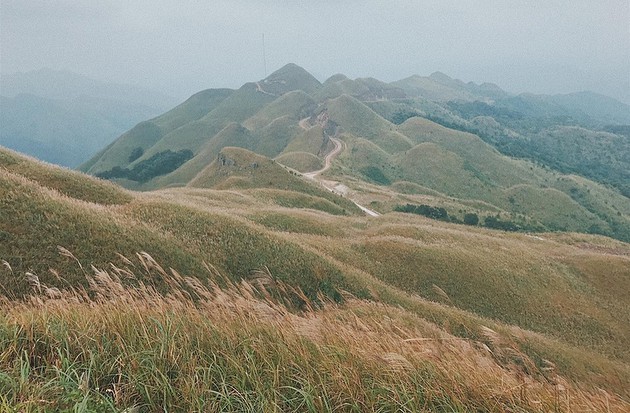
x=336, y=187
x=328, y=160
x=261, y=90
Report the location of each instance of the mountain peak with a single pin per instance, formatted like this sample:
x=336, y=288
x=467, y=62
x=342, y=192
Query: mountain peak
x=288, y=78
x=440, y=77
x=336, y=78
x=291, y=67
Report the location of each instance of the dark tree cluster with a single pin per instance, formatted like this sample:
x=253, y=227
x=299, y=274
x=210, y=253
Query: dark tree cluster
x=159, y=164
x=425, y=210
x=400, y=116
x=135, y=154
x=493, y=222
x=471, y=219
x=496, y=223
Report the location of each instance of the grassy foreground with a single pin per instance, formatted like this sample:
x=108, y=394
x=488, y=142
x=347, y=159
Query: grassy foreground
x=339, y=312
x=256, y=345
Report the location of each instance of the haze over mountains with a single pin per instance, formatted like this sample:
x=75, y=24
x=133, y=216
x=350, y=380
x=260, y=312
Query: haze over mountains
x=539, y=162
x=65, y=118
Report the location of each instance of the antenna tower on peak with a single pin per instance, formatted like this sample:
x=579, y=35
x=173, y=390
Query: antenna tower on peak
x=264, y=55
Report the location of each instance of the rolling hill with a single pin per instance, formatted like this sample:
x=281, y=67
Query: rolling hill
x=470, y=144
x=246, y=283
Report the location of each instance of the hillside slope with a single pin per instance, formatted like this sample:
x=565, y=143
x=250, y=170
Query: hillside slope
x=549, y=298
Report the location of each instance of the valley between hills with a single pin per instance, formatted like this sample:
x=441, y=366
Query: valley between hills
x=351, y=245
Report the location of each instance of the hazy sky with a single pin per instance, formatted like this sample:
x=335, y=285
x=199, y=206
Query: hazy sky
x=183, y=46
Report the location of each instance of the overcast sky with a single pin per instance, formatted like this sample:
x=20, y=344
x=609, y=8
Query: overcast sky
x=182, y=46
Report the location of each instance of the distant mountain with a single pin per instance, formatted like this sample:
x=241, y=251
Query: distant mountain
x=65, y=118
x=64, y=85
x=597, y=107
x=440, y=87
x=586, y=108
x=434, y=137
x=64, y=132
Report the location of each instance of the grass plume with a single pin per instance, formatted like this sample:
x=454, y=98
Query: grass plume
x=254, y=345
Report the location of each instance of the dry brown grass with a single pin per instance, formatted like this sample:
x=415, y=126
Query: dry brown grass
x=256, y=345
x=563, y=293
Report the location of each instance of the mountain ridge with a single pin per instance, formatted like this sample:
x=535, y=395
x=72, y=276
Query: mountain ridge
x=268, y=118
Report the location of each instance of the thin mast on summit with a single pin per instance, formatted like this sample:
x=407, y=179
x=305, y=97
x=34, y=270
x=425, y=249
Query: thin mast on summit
x=264, y=56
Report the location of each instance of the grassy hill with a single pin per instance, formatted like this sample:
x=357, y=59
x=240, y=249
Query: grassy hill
x=300, y=161
x=356, y=118
x=236, y=168
x=313, y=141
x=462, y=166
x=288, y=78
x=439, y=87
x=295, y=104
x=389, y=310
x=366, y=89
x=606, y=159
x=148, y=133
x=514, y=157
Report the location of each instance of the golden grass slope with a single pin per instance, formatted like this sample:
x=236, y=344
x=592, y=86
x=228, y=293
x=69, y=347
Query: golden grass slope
x=246, y=347
x=554, y=297
x=64, y=181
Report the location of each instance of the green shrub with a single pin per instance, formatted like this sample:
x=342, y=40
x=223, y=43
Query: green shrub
x=471, y=219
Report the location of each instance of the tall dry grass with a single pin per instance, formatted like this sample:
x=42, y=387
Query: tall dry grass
x=122, y=344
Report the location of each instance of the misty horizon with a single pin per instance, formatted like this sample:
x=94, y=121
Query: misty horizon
x=183, y=96
x=552, y=48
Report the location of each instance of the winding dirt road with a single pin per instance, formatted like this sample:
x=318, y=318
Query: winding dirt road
x=335, y=187
x=328, y=160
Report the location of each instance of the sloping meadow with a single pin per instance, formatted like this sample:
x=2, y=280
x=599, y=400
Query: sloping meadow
x=246, y=346
x=198, y=299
